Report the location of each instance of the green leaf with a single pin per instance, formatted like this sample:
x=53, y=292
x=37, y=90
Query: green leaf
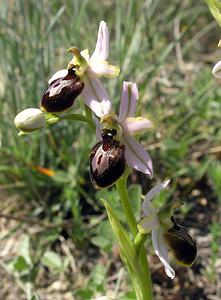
x=85, y=294
x=97, y=277
x=128, y=296
x=35, y=297
x=128, y=253
x=135, y=198
x=110, y=194
x=215, y=8
x=215, y=177
x=20, y=264
x=100, y=242
x=25, y=250
x=52, y=260
x=104, y=236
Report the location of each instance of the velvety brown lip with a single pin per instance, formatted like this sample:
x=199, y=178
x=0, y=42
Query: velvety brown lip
x=62, y=92
x=107, y=161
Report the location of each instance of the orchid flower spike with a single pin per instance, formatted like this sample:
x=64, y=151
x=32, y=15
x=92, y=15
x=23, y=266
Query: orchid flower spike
x=166, y=233
x=89, y=69
x=127, y=126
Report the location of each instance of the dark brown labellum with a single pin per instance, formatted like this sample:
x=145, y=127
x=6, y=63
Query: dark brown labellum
x=62, y=92
x=181, y=244
x=107, y=161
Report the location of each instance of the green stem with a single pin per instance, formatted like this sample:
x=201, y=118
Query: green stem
x=139, y=240
x=122, y=190
x=78, y=117
x=88, y=112
x=144, y=263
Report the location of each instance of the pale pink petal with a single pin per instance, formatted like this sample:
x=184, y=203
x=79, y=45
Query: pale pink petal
x=96, y=97
x=216, y=71
x=128, y=100
x=57, y=75
x=148, y=223
x=161, y=250
x=154, y=191
x=102, y=46
x=136, y=156
x=85, y=54
x=98, y=130
x=102, y=68
x=137, y=125
x=148, y=207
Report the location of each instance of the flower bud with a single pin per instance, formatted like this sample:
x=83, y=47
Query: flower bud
x=216, y=71
x=30, y=119
x=181, y=244
x=107, y=161
x=62, y=92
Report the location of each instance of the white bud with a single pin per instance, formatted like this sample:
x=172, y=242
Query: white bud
x=30, y=119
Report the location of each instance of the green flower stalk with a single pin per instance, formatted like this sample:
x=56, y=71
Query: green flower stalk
x=138, y=274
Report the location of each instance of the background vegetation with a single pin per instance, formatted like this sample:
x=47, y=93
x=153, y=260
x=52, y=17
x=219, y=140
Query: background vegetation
x=52, y=223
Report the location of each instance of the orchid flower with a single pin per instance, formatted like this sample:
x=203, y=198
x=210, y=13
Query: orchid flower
x=166, y=233
x=152, y=222
x=216, y=71
x=135, y=154
x=90, y=68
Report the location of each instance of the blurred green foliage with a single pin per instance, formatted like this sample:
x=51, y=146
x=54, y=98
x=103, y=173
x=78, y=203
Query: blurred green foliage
x=168, y=48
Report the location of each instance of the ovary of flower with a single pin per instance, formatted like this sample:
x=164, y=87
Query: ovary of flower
x=127, y=126
x=152, y=223
x=90, y=68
